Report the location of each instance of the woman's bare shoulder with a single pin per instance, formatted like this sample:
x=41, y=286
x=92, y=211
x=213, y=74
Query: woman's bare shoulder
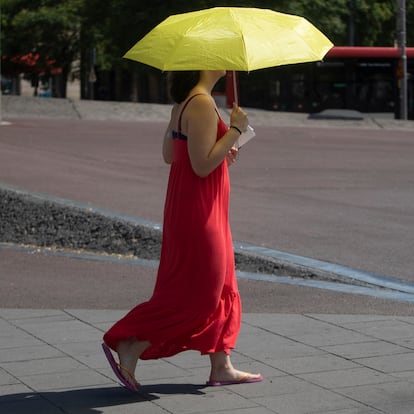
x=201, y=104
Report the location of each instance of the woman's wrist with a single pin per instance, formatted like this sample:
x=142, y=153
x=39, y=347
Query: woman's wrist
x=236, y=128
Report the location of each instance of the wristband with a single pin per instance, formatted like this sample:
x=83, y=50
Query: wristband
x=237, y=129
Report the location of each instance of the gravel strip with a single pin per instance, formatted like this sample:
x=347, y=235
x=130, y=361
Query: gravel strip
x=32, y=221
x=28, y=220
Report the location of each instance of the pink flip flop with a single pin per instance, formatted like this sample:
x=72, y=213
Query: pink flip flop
x=117, y=369
x=245, y=379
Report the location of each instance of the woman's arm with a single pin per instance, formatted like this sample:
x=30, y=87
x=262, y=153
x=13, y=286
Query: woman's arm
x=205, y=152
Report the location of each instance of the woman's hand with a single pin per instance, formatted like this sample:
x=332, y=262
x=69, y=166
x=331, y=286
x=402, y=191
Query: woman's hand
x=232, y=156
x=238, y=118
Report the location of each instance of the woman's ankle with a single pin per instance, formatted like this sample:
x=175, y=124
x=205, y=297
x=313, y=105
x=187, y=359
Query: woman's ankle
x=132, y=346
x=220, y=363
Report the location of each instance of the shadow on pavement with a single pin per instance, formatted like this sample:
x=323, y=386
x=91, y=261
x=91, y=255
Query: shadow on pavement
x=89, y=400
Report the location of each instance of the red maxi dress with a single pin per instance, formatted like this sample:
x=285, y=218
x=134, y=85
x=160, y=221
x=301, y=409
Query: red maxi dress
x=195, y=304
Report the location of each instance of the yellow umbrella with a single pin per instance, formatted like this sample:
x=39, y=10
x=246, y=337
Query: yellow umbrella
x=230, y=38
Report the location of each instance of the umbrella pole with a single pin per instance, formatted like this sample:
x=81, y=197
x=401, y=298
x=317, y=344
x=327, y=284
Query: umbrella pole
x=236, y=98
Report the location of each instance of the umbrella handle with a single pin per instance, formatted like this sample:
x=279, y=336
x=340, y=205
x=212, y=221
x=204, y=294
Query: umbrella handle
x=236, y=98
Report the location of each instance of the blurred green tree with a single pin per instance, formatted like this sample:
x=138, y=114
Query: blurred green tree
x=63, y=32
x=47, y=31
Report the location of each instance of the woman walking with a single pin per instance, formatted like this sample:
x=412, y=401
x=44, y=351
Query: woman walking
x=196, y=303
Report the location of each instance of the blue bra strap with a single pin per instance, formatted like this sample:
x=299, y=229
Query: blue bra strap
x=179, y=135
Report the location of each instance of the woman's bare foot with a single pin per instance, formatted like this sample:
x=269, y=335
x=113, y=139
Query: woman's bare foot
x=129, y=351
x=223, y=372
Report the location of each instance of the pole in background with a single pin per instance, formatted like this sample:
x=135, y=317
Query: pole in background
x=2, y=123
x=351, y=23
x=92, y=74
x=402, y=40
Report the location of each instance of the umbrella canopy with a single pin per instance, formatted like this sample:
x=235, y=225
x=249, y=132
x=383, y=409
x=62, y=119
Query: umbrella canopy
x=230, y=38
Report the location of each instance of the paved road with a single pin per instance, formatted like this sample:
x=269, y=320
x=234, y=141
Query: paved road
x=33, y=280
x=341, y=195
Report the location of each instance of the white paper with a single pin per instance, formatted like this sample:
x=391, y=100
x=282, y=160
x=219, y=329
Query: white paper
x=245, y=137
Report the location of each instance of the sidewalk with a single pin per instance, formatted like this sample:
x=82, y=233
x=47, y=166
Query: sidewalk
x=33, y=107
x=51, y=362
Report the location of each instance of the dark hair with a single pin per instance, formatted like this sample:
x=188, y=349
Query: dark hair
x=181, y=83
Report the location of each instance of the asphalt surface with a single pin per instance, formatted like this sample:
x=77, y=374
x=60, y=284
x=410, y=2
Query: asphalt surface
x=343, y=195
x=330, y=190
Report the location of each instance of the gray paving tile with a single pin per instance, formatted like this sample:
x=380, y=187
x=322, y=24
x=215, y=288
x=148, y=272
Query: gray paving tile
x=380, y=395
x=289, y=328
x=16, y=391
x=390, y=363
x=398, y=407
x=181, y=386
x=17, y=338
x=344, y=320
x=312, y=364
x=347, y=378
x=272, y=386
x=30, y=406
x=201, y=402
x=12, y=314
x=144, y=407
x=6, y=378
x=407, y=376
x=310, y=331
x=6, y=328
x=62, y=335
x=363, y=410
x=42, y=366
x=386, y=330
x=191, y=360
x=27, y=353
x=88, y=352
x=40, y=326
x=27, y=323
x=97, y=316
x=65, y=380
x=160, y=370
x=365, y=349
x=103, y=326
x=328, y=336
x=98, y=399
x=250, y=410
x=271, y=320
x=408, y=319
x=313, y=402
x=404, y=342
x=272, y=346
x=54, y=332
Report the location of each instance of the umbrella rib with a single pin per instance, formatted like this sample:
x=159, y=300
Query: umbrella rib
x=243, y=39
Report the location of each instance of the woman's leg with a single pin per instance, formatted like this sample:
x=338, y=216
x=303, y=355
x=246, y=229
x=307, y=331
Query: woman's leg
x=222, y=369
x=129, y=352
